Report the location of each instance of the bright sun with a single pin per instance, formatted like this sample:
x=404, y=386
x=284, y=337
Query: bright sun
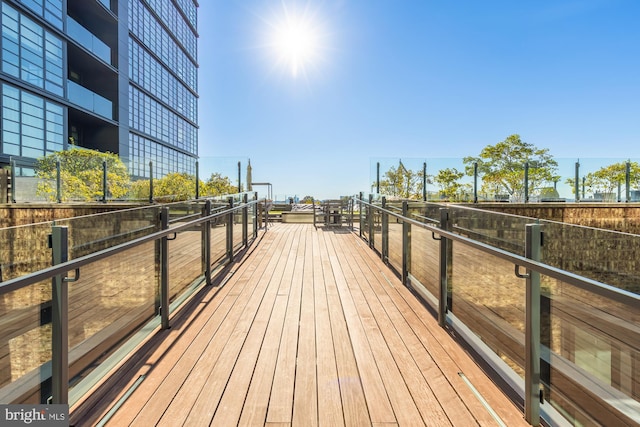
x=296, y=39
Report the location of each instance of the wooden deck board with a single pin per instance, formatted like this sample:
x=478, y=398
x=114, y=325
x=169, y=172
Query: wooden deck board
x=311, y=329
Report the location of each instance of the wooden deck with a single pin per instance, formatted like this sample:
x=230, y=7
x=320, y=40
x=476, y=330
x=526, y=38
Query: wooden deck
x=309, y=329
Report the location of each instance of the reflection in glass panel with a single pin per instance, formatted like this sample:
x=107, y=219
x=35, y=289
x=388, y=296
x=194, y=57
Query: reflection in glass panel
x=490, y=300
x=113, y=298
x=594, y=347
x=25, y=344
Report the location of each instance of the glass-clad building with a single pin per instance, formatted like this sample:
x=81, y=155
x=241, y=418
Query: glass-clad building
x=111, y=75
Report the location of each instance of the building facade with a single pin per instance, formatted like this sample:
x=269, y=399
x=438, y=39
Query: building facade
x=110, y=75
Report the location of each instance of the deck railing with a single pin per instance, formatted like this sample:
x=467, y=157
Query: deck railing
x=515, y=290
x=105, y=282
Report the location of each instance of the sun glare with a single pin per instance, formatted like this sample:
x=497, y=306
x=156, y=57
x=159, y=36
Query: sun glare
x=296, y=39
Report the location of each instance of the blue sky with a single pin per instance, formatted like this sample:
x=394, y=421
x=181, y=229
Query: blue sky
x=423, y=80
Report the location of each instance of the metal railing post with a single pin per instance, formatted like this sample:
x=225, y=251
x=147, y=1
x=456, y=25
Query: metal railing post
x=385, y=231
x=105, y=186
x=424, y=181
x=406, y=245
x=13, y=181
x=58, y=183
x=627, y=181
x=150, y=182
x=245, y=220
x=206, y=242
x=255, y=215
x=475, y=182
x=577, y=181
x=164, y=270
x=313, y=205
x=197, y=180
x=230, y=232
x=443, y=298
x=532, y=328
x=360, y=214
x=370, y=221
x=60, y=319
x=526, y=182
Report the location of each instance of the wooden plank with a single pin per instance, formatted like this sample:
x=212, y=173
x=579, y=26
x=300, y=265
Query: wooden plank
x=329, y=402
x=354, y=405
x=281, y=402
x=408, y=351
x=305, y=400
x=380, y=409
x=254, y=409
x=215, y=366
x=230, y=407
x=396, y=385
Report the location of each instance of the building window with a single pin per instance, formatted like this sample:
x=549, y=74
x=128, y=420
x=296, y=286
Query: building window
x=165, y=160
x=31, y=53
x=31, y=126
x=51, y=10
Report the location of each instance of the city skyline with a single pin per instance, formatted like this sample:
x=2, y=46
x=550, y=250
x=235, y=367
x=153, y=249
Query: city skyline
x=418, y=81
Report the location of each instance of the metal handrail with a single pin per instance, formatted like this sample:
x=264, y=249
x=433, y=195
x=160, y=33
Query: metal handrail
x=584, y=283
x=49, y=272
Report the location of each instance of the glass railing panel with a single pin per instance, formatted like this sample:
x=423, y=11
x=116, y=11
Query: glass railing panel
x=89, y=41
x=237, y=229
x=606, y=256
x=92, y=233
x=490, y=300
x=590, y=370
x=26, y=189
x=89, y=100
x=218, y=241
x=428, y=213
x=425, y=255
x=377, y=229
x=395, y=244
x=185, y=261
x=25, y=344
x=502, y=231
x=113, y=298
x=366, y=216
x=24, y=249
x=106, y=3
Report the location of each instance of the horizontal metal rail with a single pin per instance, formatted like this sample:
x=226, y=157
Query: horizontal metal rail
x=75, y=264
x=599, y=288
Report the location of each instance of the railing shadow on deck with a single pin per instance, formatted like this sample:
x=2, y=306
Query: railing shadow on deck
x=566, y=344
x=106, y=289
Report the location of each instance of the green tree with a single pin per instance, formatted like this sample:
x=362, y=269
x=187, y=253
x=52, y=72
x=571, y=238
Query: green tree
x=448, y=179
x=401, y=182
x=605, y=180
x=502, y=166
x=175, y=186
x=218, y=185
x=81, y=175
x=306, y=200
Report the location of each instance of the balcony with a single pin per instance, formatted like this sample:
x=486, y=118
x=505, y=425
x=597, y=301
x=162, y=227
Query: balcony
x=86, y=39
x=88, y=100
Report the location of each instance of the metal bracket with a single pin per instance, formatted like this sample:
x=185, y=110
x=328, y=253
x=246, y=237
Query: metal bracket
x=73, y=279
x=522, y=276
x=175, y=236
x=433, y=236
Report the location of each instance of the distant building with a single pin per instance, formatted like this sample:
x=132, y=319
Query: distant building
x=111, y=75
